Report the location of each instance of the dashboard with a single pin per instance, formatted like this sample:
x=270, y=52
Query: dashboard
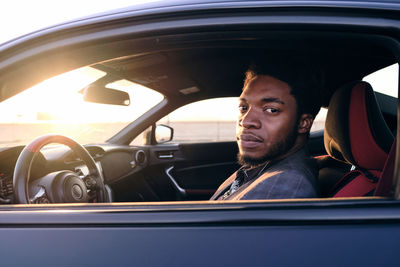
x=116, y=163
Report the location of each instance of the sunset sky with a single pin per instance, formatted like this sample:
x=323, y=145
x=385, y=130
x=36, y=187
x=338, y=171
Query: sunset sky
x=20, y=17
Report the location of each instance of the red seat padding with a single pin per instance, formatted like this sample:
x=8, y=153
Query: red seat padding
x=366, y=151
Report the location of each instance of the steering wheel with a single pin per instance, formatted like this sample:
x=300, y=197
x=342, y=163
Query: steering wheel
x=61, y=186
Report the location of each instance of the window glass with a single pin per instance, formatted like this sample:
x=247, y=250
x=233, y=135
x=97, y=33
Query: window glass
x=319, y=121
x=204, y=121
x=385, y=80
x=57, y=106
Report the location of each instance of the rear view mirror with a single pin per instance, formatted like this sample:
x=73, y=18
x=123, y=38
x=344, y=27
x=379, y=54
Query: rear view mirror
x=97, y=93
x=163, y=133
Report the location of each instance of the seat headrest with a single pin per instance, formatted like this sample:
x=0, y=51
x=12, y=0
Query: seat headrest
x=355, y=130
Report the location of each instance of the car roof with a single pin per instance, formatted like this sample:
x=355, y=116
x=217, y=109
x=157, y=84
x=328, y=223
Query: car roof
x=174, y=6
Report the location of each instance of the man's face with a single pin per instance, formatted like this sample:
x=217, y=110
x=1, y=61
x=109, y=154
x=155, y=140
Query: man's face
x=268, y=122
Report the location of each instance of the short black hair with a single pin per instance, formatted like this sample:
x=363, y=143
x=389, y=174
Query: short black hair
x=305, y=80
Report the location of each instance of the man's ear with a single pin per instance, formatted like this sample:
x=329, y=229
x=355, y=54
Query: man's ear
x=305, y=123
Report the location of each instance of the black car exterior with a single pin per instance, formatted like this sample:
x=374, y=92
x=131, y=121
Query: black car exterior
x=310, y=232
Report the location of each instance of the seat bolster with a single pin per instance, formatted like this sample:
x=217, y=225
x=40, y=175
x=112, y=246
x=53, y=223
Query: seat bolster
x=357, y=184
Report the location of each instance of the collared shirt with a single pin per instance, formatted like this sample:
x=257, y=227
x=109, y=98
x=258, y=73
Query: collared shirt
x=243, y=175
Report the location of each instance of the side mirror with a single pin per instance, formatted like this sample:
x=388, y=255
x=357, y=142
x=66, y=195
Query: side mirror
x=97, y=93
x=163, y=133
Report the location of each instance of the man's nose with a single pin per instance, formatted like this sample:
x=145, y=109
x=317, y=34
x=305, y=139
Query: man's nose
x=250, y=119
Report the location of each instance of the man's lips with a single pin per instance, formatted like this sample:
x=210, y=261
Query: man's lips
x=249, y=140
x=250, y=137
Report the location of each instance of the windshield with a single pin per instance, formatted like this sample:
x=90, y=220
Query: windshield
x=57, y=106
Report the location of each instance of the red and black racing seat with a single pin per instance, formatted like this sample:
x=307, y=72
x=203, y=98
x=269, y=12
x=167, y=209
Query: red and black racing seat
x=356, y=133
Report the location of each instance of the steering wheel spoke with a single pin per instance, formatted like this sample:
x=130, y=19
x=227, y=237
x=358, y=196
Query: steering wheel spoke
x=90, y=182
x=40, y=197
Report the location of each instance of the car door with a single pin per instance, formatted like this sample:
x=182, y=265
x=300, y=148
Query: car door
x=321, y=232
x=195, y=170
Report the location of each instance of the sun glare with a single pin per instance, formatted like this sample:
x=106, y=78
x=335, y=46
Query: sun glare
x=55, y=99
x=56, y=106
x=58, y=100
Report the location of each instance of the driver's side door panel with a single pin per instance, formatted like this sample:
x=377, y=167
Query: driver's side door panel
x=193, y=171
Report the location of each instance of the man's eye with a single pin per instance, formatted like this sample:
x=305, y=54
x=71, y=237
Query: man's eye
x=272, y=110
x=242, y=109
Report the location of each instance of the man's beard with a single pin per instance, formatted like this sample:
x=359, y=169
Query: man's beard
x=274, y=152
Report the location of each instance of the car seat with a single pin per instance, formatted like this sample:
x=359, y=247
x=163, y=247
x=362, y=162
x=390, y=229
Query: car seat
x=356, y=133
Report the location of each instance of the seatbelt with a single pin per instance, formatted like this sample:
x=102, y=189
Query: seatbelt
x=385, y=184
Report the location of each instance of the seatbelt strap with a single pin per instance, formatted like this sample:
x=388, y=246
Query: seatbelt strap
x=385, y=184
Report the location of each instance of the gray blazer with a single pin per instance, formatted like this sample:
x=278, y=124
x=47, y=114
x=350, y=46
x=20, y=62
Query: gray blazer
x=293, y=177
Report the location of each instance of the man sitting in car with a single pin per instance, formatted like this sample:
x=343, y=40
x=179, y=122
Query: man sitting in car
x=277, y=109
